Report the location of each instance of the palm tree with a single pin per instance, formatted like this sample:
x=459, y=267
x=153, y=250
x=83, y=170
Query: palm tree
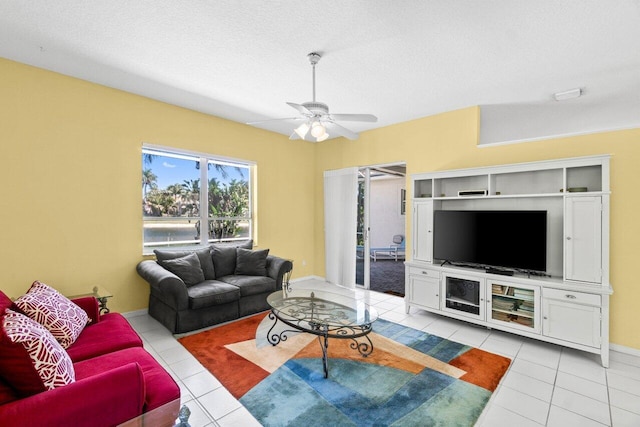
x=222, y=169
x=149, y=180
x=177, y=190
x=148, y=158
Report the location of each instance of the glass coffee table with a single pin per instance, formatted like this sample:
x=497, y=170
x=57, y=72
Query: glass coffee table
x=325, y=314
x=171, y=414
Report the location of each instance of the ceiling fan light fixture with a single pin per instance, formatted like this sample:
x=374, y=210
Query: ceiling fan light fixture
x=315, y=117
x=302, y=130
x=323, y=137
x=318, y=130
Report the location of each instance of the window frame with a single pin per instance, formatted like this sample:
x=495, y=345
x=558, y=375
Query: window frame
x=203, y=215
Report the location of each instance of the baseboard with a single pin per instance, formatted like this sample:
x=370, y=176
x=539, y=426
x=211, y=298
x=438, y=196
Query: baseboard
x=301, y=279
x=624, y=349
x=136, y=313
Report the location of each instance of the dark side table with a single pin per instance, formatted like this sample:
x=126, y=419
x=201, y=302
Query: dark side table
x=101, y=294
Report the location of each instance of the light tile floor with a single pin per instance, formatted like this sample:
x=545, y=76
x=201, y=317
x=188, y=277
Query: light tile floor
x=546, y=385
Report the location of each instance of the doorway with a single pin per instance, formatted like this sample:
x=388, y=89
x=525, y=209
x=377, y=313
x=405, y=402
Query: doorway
x=381, y=228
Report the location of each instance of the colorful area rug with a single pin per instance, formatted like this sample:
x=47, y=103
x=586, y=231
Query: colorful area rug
x=411, y=378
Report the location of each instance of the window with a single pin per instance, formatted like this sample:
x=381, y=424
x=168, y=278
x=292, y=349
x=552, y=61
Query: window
x=172, y=197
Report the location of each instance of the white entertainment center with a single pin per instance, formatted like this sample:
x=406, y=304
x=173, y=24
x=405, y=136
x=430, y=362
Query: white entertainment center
x=569, y=305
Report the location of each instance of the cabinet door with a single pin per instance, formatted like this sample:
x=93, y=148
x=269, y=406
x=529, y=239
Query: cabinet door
x=423, y=230
x=576, y=323
x=583, y=239
x=424, y=291
x=515, y=306
x=464, y=295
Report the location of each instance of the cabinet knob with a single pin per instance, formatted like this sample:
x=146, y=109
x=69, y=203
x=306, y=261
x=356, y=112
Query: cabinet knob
x=545, y=318
x=570, y=296
x=568, y=237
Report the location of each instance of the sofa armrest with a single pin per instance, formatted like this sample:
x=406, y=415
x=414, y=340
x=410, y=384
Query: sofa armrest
x=165, y=285
x=105, y=399
x=276, y=269
x=90, y=306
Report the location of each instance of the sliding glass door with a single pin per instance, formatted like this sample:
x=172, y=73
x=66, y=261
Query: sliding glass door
x=381, y=228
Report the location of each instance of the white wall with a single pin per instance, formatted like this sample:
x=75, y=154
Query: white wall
x=386, y=220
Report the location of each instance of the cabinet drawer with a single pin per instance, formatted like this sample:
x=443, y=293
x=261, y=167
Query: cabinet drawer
x=570, y=296
x=424, y=272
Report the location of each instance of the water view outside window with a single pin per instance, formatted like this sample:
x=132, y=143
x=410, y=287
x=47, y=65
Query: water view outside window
x=172, y=196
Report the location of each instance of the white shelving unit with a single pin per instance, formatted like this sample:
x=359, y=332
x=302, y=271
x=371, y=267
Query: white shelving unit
x=570, y=306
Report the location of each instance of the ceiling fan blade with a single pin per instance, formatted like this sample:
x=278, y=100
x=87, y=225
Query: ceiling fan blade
x=276, y=120
x=301, y=108
x=335, y=129
x=355, y=117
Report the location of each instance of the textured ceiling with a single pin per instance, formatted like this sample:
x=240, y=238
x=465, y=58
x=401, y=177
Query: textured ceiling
x=399, y=60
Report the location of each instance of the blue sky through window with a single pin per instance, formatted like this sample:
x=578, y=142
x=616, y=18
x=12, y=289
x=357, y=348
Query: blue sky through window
x=171, y=170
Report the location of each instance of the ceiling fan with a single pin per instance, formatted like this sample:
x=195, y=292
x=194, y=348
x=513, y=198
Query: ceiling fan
x=317, y=123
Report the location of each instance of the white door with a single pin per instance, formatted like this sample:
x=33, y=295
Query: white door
x=423, y=230
x=571, y=322
x=340, y=216
x=424, y=291
x=583, y=239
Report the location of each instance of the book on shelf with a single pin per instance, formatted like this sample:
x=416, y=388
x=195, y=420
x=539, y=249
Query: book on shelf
x=497, y=289
x=523, y=293
x=498, y=315
x=502, y=304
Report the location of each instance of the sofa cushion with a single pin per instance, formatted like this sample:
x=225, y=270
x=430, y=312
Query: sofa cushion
x=204, y=256
x=187, y=268
x=63, y=318
x=160, y=388
x=112, y=333
x=224, y=256
x=31, y=360
x=251, y=263
x=210, y=293
x=251, y=285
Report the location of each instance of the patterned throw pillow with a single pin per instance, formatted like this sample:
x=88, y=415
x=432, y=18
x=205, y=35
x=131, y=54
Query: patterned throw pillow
x=64, y=319
x=31, y=360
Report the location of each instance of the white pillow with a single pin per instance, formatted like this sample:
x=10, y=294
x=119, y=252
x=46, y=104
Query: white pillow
x=63, y=318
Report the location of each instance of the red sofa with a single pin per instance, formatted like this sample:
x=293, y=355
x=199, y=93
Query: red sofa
x=115, y=379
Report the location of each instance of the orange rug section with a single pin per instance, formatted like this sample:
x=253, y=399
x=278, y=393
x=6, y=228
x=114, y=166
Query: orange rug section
x=475, y=363
x=235, y=372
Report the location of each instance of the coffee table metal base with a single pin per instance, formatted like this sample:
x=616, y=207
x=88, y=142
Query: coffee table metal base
x=324, y=332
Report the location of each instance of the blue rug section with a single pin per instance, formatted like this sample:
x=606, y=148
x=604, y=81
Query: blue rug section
x=363, y=394
x=439, y=348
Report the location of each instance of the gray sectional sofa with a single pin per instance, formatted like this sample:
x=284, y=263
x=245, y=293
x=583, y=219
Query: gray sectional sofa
x=195, y=289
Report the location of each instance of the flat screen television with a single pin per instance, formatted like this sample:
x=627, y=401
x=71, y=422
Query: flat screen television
x=500, y=239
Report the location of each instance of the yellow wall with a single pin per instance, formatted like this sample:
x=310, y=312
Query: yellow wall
x=71, y=172
x=70, y=208
x=448, y=141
